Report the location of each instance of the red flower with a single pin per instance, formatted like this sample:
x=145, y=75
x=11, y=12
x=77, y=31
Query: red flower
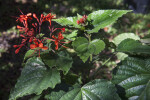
x=62, y=29
x=21, y=29
x=38, y=45
x=19, y=47
x=34, y=15
x=57, y=40
x=48, y=17
x=28, y=35
x=24, y=18
x=82, y=20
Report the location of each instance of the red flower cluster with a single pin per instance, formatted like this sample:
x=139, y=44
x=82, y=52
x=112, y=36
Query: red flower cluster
x=38, y=45
x=57, y=40
x=31, y=30
x=82, y=20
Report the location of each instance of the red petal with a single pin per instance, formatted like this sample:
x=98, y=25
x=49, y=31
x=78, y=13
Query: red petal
x=42, y=15
x=45, y=48
x=17, y=50
x=29, y=14
x=15, y=46
x=19, y=27
x=24, y=40
x=21, y=35
x=34, y=15
x=41, y=45
x=23, y=16
x=31, y=39
x=56, y=48
x=54, y=37
x=78, y=22
x=33, y=46
x=60, y=36
x=63, y=29
x=35, y=41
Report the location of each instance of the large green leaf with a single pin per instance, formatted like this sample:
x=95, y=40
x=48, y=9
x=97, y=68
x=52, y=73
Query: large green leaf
x=133, y=47
x=35, y=78
x=62, y=61
x=94, y=90
x=118, y=39
x=84, y=48
x=103, y=18
x=134, y=75
x=69, y=21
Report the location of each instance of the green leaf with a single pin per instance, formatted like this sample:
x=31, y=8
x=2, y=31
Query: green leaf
x=35, y=78
x=71, y=78
x=58, y=91
x=28, y=54
x=94, y=90
x=121, y=56
x=32, y=53
x=134, y=75
x=103, y=18
x=80, y=46
x=37, y=97
x=79, y=41
x=84, y=49
x=118, y=39
x=98, y=44
x=49, y=59
x=146, y=93
x=133, y=47
x=62, y=61
x=79, y=16
x=55, y=95
x=69, y=21
x=71, y=36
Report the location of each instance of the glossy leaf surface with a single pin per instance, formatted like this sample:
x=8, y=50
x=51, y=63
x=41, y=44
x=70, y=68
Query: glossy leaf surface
x=94, y=90
x=133, y=47
x=134, y=76
x=103, y=18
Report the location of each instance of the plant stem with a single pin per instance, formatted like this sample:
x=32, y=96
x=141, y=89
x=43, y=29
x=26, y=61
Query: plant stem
x=89, y=37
